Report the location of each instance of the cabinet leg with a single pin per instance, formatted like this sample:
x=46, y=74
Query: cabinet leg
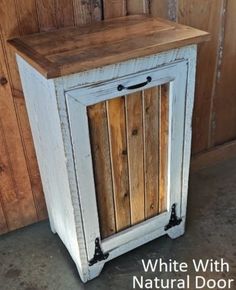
x=88, y=273
x=177, y=231
x=52, y=227
x=95, y=270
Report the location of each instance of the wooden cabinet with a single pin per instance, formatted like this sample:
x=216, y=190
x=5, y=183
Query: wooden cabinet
x=110, y=108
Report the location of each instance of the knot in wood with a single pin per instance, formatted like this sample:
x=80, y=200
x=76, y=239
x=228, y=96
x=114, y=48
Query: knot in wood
x=135, y=132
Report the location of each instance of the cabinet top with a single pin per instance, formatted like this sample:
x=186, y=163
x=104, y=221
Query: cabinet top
x=75, y=49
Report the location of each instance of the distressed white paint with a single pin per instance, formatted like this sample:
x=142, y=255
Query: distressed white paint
x=126, y=68
x=177, y=96
x=84, y=171
x=79, y=98
x=135, y=232
x=61, y=198
x=188, y=128
x=53, y=120
x=92, y=94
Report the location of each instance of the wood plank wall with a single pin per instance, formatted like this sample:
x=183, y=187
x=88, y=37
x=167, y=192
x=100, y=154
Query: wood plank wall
x=21, y=195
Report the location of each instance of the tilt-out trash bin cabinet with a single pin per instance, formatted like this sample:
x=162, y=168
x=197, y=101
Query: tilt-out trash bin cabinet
x=110, y=107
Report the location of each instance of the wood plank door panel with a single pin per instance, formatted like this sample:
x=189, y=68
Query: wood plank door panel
x=119, y=161
x=151, y=111
x=135, y=150
x=99, y=137
x=135, y=146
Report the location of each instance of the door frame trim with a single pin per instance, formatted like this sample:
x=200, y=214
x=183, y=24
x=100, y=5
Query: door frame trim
x=77, y=101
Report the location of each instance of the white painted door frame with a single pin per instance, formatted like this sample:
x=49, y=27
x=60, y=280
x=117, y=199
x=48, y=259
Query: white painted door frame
x=77, y=100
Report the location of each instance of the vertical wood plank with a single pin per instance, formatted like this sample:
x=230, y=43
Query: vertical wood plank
x=119, y=160
x=224, y=110
x=10, y=28
x=17, y=18
x=117, y=132
x=163, y=146
x=87, y=11
x=47, y=15
x=102, y=168
x=205, y=15
x=151, y=153
x=134, y=121
x=64, y=13
x=8, y=196
x=159, y=8
x=114, y=8
x=24, y=209
x=116, y=121
x=82, y=12
x=97, y=10
x=27, y=16
x=137, y=7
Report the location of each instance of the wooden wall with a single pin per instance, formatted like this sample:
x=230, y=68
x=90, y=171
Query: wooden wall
x=21, y=195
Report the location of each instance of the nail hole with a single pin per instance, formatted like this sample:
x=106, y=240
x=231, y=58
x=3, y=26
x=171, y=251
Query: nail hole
x=135, y=132
x=126, y=195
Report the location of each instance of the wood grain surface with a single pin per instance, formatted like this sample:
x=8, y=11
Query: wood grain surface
x=134, y=121
x=151, y=153
x=206, y=15
x=21, y=194
x=224, y=107
x=106, y=43
x=129, y=142
x=15, y=186
x=163, y=147
x=119, y=161
x=99, y=137
x=214, y=115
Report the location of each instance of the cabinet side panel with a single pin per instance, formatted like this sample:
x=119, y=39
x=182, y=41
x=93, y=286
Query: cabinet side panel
x=45, y=124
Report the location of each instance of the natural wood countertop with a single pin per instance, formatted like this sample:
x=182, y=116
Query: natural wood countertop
x=75, y=49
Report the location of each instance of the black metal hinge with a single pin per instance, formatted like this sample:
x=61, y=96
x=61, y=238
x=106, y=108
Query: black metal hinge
x=98, y=254
x=174, y=220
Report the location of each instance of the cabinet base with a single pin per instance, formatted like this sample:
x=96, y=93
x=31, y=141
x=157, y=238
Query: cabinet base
x=95, y=270
x=176, y=232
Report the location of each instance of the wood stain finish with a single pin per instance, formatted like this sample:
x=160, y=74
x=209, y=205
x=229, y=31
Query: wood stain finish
x=21, y=195
x=130, y=158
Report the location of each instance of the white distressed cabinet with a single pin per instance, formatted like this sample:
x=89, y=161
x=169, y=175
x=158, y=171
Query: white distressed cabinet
x=110, y=108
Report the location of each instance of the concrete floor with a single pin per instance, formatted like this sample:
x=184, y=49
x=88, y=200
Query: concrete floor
x=33, y=258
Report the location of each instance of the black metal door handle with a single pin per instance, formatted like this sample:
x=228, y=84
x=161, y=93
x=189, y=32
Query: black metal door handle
x=133, y=87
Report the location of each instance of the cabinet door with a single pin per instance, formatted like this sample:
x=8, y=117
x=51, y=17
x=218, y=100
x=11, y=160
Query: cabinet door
x=127, y=137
